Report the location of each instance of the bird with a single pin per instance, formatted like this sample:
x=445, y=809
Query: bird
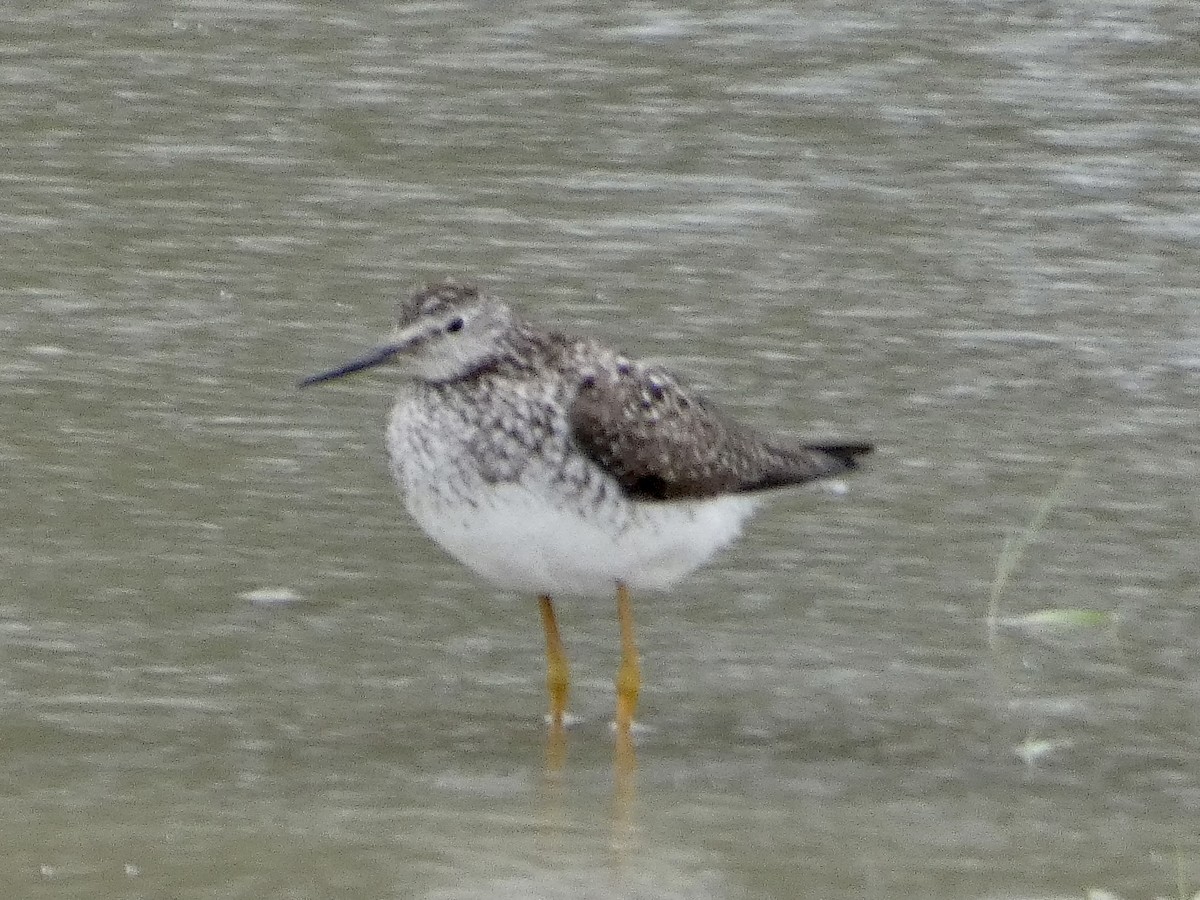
x=552, y=464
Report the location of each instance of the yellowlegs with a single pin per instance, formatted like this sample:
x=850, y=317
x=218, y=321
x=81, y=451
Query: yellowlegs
x=554, y=465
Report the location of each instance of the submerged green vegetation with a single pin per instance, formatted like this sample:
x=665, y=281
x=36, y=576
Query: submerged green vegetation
x=1011, y=554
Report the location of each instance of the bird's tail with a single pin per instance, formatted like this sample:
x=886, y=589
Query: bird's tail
x=846, y=454
x=805, y=463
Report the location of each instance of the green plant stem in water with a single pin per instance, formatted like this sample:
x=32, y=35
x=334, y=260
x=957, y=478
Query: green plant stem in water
x=1016, y=544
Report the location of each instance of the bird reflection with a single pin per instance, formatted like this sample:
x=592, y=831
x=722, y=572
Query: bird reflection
x=624, y=790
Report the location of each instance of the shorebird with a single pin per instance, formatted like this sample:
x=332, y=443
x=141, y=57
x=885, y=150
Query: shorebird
x=552, y=464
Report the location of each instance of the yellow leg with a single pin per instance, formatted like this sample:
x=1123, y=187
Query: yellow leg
x=558, y=676
x=629, y=675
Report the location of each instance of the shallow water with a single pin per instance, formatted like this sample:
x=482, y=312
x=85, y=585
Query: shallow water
x=966, y=231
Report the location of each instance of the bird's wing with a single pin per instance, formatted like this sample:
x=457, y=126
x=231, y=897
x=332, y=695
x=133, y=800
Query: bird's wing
x=661, y=442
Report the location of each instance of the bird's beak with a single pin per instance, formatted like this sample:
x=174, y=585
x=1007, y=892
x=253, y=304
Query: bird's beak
x=403, y=342
x=376, y=357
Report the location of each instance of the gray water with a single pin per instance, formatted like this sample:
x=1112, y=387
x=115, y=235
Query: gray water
x=966, y=231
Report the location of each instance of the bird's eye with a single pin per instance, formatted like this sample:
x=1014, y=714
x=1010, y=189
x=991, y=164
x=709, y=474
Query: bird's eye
x=455, y=324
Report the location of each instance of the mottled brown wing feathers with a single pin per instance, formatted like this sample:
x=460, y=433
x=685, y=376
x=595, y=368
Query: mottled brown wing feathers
x=661, y=443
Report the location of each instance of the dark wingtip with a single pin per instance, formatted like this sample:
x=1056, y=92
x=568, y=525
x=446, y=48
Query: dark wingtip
x=846, y=454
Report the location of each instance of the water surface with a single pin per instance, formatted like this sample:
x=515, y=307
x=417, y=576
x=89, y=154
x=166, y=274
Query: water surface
x=966, y=231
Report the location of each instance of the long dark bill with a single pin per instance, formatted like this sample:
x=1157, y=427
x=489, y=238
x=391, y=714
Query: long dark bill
x=374, y=358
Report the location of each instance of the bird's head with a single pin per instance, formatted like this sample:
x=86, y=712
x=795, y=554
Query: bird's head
x=446, y=330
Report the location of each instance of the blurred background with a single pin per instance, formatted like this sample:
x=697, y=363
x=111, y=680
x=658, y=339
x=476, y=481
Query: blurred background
x=231, y=667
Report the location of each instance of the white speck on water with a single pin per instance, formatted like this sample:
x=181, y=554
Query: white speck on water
x=1032, y=751
x=569, y=720
x=636, y=729
x=271, y=596
x=836, y=486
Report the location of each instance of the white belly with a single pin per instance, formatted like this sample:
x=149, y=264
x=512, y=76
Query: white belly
x=518, y=540
x=537, y=516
